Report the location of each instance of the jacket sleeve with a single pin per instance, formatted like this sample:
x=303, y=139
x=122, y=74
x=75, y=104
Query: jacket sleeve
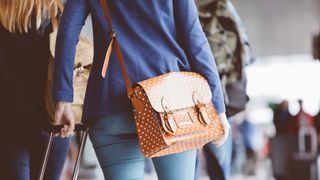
x=72, y=21
x=195, y=44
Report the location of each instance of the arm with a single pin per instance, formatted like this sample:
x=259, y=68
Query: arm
x=196, y=46
x=72, y=21
x=73, y=18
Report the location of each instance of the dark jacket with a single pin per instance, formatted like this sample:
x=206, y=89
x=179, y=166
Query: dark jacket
x=23, y=68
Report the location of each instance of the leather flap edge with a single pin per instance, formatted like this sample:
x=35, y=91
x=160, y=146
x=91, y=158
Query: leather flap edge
x=176, y=90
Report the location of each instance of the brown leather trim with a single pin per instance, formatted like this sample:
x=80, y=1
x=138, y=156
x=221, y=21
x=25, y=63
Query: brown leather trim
x=115, y=43
x=107, y=58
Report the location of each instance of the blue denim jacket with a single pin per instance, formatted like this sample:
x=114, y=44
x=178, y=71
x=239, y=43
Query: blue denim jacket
x=156, y=37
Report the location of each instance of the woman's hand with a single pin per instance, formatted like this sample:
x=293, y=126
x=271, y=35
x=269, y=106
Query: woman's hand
x=226, y=126
x=64, y=116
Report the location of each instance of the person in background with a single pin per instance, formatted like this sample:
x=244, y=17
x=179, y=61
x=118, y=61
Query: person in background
x=248, y=131
x=24, y=56
x=282, y=118
x=300, y=119
x=317, y=126
x=156, y=37
x=245, y=147
x=230, y=45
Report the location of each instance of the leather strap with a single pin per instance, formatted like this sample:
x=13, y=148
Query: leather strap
x=114, y=43
x=107, y=58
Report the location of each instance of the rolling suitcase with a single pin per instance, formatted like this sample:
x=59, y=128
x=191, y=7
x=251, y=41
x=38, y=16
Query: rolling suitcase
x=54, y=129
x=303, y=165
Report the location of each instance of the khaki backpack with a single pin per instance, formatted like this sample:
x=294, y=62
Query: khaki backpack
x=230, y=47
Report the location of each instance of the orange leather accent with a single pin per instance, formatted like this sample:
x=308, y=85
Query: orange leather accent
x=123, y=68
x=162, y=133
x=137, y=103
x=203, y=115
x=107, y=58
x=104, y=6
x=117, y=48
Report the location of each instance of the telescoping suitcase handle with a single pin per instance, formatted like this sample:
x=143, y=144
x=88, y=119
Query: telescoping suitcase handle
x=54, y=129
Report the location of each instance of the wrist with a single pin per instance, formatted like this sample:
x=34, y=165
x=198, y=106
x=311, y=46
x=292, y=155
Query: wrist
x=223, y=117
x=63, y=102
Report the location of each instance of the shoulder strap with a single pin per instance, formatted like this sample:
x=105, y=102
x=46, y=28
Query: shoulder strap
x=114, y=43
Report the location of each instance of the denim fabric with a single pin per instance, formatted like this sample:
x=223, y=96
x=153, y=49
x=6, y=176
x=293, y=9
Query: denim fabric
x=218, y=160
x=116, y=145
x=23, y=147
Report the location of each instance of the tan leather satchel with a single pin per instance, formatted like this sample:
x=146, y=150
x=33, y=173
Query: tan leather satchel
x=173, y=112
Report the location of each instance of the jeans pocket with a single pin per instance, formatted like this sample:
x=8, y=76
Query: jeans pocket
x=113, y=125
x=102, y=125
x=125, y=124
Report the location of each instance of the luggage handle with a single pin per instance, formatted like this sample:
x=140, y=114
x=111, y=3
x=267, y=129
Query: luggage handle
x=303, y=131
x=57, y=128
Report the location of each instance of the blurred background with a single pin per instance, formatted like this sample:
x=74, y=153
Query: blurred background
x=275, y=137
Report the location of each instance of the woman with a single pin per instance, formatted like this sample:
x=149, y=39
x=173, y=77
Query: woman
x=24, y=54
x=156, y=37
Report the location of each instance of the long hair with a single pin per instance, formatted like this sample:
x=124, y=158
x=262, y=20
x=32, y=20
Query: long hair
x=17, y=15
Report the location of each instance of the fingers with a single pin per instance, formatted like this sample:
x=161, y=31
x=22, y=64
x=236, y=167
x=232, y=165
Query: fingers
x=225, y=136
x=58, y=121
x=71, y=129
x=226, y=126
x=64, y=115
x=221, y=141
x=66, y=131
x=63, y=131
x=70, y=121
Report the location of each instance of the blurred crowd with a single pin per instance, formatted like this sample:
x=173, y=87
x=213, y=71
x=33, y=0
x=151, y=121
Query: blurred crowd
x=286, y=123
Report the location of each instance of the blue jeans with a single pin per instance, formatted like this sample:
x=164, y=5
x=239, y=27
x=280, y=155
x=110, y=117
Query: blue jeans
x=23, y=146
x=218, y=159
x=116, y=144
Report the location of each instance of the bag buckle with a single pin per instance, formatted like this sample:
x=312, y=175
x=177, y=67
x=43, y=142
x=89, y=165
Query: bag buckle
x=168, y=117
x=201, y=109
x=112, y=34
x=137, y=103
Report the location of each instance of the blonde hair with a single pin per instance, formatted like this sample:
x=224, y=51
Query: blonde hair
x=16, y=15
